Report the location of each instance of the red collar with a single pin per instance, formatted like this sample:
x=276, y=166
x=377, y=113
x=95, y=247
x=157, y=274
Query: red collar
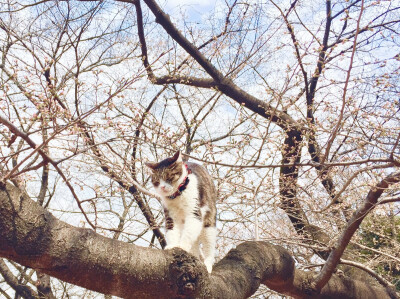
x=182, y=186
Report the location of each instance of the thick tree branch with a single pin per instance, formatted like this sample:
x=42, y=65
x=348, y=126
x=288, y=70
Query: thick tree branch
x=291, y=153
x=321, y=61
x=33, y=237
x=171, y=79
x=313, y=146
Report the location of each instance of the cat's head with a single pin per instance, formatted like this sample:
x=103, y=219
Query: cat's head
x=167, y=174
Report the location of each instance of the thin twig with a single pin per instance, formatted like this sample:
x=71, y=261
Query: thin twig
x=338, y=124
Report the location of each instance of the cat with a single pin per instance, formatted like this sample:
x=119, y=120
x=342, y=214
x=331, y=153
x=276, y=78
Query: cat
x=188, y=196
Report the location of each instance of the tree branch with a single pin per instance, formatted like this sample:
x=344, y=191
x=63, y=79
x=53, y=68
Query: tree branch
x=223, y=84
x=21, y=289
x=46, y=158
x=33, y=237
x=341, y=244
x=371, y=272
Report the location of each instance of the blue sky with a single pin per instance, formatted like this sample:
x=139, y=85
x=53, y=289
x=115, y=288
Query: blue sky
x=194, y=9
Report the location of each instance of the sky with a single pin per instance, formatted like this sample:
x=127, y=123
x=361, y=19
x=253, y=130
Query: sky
x=193, y=8
x=197, y=4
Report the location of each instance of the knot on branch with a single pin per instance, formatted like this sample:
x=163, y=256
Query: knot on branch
x=187, y=273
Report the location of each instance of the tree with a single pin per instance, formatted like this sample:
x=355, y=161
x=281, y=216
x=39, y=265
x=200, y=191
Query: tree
x=377, y=233
x=293, y=107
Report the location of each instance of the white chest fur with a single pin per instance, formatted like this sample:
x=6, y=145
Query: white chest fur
x=183, y=205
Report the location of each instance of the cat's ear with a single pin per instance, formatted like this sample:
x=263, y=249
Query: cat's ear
x=177, y=157
x=151, y=166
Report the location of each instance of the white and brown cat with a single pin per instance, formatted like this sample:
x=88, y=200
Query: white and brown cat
x=188, y=196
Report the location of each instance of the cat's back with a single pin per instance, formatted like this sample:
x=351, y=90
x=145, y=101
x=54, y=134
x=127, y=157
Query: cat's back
x=205, y=183
x=200, y=172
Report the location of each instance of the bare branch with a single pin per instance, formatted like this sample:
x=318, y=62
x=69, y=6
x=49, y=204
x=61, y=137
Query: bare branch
x=345, y=237
x=223, y=84
x=20, y=289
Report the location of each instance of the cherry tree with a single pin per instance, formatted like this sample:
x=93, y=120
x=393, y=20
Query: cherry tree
x=293, y=107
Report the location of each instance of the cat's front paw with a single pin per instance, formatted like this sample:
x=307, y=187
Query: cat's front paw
x=209, y=264
x=209, y=268
x=186, y=246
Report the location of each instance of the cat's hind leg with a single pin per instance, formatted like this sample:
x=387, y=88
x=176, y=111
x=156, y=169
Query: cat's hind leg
x=208, y=239
x=196, y=249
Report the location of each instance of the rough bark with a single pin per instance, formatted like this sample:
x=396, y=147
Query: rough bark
x=33, y=237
